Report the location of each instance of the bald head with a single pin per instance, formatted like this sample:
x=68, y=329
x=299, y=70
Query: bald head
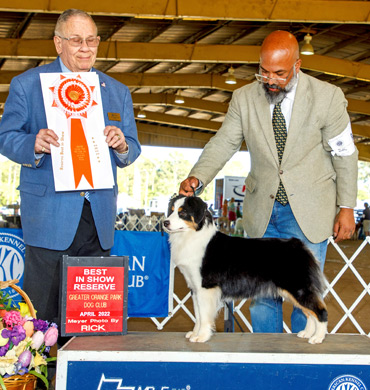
x=279, y=65
x=280, y=46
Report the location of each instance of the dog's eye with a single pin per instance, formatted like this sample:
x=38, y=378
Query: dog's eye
x=182, y=213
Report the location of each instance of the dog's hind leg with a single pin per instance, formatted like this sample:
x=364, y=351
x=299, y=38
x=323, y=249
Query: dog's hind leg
x=208, y=301
x=195, y=330
x=319, y=309
x=321, y=330
x=314, y=309
x=318, y=316
x=310, y=328
x=314, y=331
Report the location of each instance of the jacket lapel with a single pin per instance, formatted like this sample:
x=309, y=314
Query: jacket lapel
x=299, y=114
x=104, y=91
x=262, y=108
x=53, y=67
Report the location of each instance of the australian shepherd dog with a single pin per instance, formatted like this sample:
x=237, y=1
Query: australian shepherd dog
x=218, y=267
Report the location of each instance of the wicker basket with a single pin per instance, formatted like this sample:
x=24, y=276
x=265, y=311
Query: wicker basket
x=26, y=381
x=20, y=382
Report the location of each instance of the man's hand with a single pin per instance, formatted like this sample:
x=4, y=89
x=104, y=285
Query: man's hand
x=45, y=138
x=344, y=225
x=188, y=186
x=115, y=139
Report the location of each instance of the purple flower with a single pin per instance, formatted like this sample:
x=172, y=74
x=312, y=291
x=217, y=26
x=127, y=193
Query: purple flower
x=17, y=367
x=19, y=370
x=4, y=350
x=40, y=325
x=15, y=335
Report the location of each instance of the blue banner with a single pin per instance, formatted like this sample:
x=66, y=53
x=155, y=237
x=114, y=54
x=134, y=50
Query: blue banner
x=12, y=251
x=149, y=271
x=149, y=268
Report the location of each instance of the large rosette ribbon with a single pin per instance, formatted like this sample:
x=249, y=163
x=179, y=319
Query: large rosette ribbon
x=74, y=98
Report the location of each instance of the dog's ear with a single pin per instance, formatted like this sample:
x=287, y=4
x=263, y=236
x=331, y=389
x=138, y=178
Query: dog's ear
x=171, y=204
x=200, y=210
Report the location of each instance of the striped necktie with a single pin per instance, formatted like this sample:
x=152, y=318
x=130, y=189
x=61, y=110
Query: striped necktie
x=280, y=132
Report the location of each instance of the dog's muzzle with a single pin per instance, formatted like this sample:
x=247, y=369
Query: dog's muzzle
x=166, y=227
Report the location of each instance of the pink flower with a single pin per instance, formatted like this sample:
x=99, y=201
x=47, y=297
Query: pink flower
x=51, y=336
x=28, y=327
x=12, y=318
x=37, y=340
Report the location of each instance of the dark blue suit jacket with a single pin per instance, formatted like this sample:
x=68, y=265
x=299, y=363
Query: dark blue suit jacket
x=50, y=219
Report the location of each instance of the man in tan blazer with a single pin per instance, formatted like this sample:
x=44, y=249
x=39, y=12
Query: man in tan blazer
x=317, y=168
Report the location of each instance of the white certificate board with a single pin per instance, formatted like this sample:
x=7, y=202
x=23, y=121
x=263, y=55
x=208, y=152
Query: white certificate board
x=74, y=111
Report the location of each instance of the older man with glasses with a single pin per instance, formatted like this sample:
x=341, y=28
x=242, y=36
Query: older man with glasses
x=303, y=178
x=63, y=223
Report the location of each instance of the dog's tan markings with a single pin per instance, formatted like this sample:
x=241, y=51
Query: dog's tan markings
x=192, y=224
x=288, y=296
x=322, y=305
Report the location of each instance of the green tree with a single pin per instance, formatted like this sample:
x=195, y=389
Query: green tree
x=9, y=182
x=363, y=181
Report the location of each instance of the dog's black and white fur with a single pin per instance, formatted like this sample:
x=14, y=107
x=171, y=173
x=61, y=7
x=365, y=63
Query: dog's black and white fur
x=219, y=267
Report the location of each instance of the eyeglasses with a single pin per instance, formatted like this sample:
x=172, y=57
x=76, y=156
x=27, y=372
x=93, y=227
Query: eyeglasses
x=265, y=79
x=78, y=41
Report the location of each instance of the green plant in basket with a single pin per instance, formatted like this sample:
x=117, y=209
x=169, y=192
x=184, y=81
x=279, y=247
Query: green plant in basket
x=6, y=302
x=24, y=343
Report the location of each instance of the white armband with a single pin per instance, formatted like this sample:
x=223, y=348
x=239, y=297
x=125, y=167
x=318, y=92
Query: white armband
x=342, y=145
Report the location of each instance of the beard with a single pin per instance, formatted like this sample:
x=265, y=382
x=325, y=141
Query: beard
x=278, y=96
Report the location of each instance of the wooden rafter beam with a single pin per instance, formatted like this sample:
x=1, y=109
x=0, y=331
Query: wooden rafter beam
x=181, y=121
x=178, y=52
x=354, y=105
x=361, y=131
x=164, y=80
x=137, y=51
x=139, y=99
x=264, y=10
x=364, y=152
x=165, y=99
x=157, y=135
x=358, y=106
x=213, y=126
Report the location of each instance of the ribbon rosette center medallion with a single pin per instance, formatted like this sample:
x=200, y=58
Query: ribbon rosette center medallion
x=74, y=98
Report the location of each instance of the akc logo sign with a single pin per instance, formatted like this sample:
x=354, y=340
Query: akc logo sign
x=12, y=250
x=347, y=382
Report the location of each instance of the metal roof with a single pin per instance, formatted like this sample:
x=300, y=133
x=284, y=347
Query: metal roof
x=160, y=47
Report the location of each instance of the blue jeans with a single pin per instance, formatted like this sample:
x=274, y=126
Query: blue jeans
x=267, y=313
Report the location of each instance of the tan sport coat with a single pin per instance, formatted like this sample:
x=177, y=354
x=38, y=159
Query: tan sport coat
x=316, y=182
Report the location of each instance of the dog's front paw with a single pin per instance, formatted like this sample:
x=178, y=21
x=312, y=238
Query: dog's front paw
x=316, y=339
x=304, y=334
x=189, y=334
x=201, y=337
